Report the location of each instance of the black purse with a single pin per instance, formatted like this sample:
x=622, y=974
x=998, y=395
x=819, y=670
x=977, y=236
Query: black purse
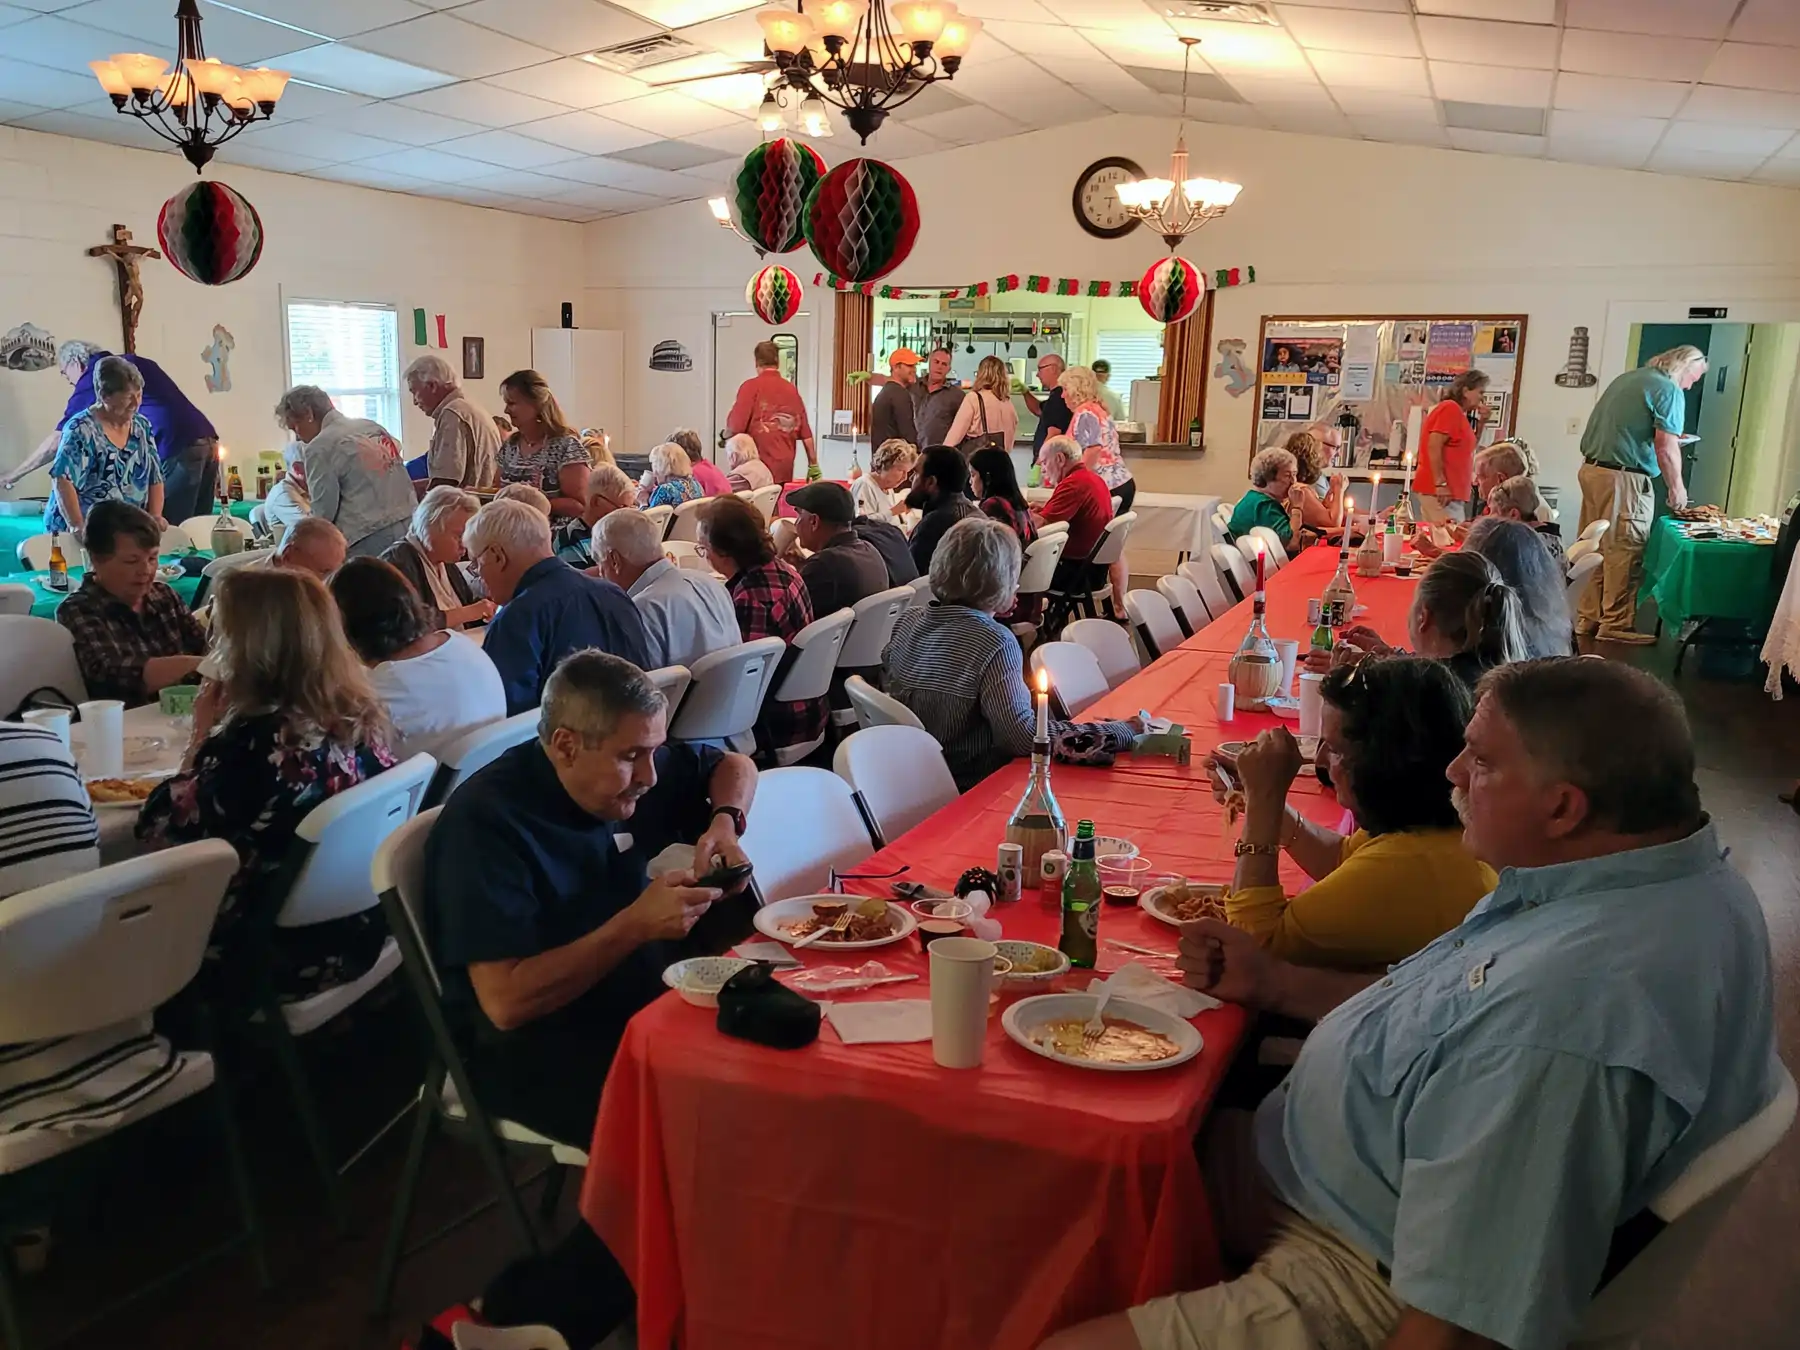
x=985, y=440
x=755, y=1006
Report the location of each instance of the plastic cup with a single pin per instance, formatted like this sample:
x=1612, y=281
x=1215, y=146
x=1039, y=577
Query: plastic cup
x=962, y=976
x=1391, y=544
x=1289, y=651
x=50, y=719
x=940, y=919
x=1123, y=877
x=1227, y=701
x=102, y=738
x=1312, y=703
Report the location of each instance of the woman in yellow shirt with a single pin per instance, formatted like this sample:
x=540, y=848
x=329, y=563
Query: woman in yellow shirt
x=1390, y=730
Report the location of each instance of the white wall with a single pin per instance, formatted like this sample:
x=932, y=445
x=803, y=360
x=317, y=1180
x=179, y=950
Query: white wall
x=1331, y=226
x=492, y=274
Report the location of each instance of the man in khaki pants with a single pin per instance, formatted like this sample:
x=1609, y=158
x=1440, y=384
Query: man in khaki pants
x=1630, y=439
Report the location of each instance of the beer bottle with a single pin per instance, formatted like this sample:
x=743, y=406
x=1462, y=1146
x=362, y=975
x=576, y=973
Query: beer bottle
x=58, y=580
x=1321, y=626
x=1080, y=940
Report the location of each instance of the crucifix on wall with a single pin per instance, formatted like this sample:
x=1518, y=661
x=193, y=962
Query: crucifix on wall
x=125, y=257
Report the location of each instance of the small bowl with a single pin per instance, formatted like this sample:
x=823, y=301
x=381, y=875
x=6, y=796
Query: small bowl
x=1112, y=843
x=699, y=978
x=1017, y=952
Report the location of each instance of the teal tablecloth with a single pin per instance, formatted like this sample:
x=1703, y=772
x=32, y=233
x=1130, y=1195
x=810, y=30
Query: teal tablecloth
x=46, y=601
x=1706, y=578
x=13, y=531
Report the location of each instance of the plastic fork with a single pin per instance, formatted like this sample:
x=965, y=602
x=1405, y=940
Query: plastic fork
x=838, y=925
x=1095, y=1028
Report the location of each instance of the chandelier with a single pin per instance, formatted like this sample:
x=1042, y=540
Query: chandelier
x=1176, y=206
x=862, y=58
x=201, y=103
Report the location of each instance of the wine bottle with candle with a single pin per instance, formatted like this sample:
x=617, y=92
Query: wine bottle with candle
x=1036, y=824
x=1256, y=669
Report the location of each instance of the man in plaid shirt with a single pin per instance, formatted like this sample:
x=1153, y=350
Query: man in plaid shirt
x=133, y=635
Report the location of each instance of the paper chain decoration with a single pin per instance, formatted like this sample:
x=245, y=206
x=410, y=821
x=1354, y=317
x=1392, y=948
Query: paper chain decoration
x=1216, y=280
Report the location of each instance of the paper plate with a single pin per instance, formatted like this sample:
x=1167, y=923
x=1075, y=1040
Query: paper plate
x=1150, y=900
x=699, y=978
x=774, y=920
x=1025, y=1016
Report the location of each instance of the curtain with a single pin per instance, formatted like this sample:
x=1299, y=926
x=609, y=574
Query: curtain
x=1184, y=373
x=853, y=331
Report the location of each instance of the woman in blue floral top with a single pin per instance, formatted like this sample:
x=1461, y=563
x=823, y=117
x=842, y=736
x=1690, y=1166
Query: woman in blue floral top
x=107, y=452
x=291, y=721
x=545, y=451
x=671, y=480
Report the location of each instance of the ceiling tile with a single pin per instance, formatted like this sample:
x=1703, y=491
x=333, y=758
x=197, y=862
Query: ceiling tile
x=1310, y=121
x=329, y=18
x=519, y=182
x=508, y=149
x=1491, y=84
x=397, y=122
x=43, y=88
x=1651, y=58
x=563, y=26
x=1100, y=79
x=9, y=15
x=1401, y=131
x=1377, y=103
x=1610, y=94
x=1238, y=114
x=568, y=211
x=1764, y=21
x=1781, y=172
x=586, y=132
x=1497, y=142
x=1516, y=11
x=1605, y=154
x=113, y=130
x=246, y=149
x=669, y=114
x=1026, y=11
x=1371, y=6
x=239, y=38
x=1340, y=30
x=960, y=126
x=363, y=175
x=1200, y=85
x=1507, y=117
x=1641, y=132
x=341, y=67
x=48, y=40
x=483, y=102
x=607, y=198
x=443, y=42
x=1039, y=39
x=606, y=171
x=1395, y=74
x=1749, y=107
x=1048, y=107
x=737, y=35
x=671, y=155
x=309, y=138
x=572, y=82
x=1734, y=142
x=739, y=93
x=302, y=100
x=681, y=13
x=436, y=165
x=1151, y=45
x=1671, y=18
x=1489, y=44
x=1253, y=89
x=1107, y=14
x=1703, y=163
x=1746, y=67
x=1245, y=48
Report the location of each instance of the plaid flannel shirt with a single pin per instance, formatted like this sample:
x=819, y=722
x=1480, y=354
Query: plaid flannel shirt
x=771, y=601
x=112, y=640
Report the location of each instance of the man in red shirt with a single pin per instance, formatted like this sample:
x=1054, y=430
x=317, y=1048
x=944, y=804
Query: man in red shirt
x=770, y=410
x=1081, y=497
x=1445, y=471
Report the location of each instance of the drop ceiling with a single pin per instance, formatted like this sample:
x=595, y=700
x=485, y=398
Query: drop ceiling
x=488, y=101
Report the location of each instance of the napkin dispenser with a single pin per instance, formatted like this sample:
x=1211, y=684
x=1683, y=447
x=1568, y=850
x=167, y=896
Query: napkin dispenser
x=755, y=1006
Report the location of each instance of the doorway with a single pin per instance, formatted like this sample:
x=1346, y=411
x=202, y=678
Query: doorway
x=735, y=335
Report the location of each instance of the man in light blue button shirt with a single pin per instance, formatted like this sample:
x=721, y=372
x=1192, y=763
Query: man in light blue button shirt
x=1463, y=1141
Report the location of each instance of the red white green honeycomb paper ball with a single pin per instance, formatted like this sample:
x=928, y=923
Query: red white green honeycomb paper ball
x=1170, y=290
x=861, y=220
x=768, y=196
x=774, y=293
x=210, y=233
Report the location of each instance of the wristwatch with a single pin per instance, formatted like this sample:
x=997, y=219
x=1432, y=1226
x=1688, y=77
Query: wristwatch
x=1243, y=847
x=737, y=817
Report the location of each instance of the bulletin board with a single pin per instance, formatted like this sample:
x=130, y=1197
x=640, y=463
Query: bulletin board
x=1381, y=366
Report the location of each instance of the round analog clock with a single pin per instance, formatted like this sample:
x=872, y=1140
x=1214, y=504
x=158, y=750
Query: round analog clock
x=1096, y=199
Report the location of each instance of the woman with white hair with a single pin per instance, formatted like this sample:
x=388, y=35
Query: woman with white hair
x=429, y=555
x=747, y=471
x=712, y=481
x=670, y=480
x=961, y=672
x=107, y=452
x=1272, y=476
x=1097, y=434
x=1518, y=499
x=876, y=493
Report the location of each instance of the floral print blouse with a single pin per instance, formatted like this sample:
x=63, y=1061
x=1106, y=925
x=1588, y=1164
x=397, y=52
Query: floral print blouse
x=98, y=469
x=675, y=491
x=1097, y=434
x=255, y=778
x=539, y=467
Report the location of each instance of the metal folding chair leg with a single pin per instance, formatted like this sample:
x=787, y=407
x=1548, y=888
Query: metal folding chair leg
x=552, y=1193
x=424, y=1123
x=287, y=1055
x=239, y=1164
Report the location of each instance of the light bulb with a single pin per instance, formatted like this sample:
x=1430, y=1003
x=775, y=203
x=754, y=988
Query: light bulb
x=720, y=209
x=840, y=18
x=111, y=78
x=959, y=32
x=140, y=71
x=1211, y=194
x=785, y=31
x=921, y=20
x=210, y=76
x=813, y=118
x=265, y=85
x=768, y=114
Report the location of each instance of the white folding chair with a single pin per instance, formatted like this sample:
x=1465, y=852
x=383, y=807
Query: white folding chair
x=1584, y=573
x=1278, y=557
x=766, y=498
x=1692, y=1207
x=1107, y=552
x=36, y=654
x=900, y=775
x=1053, y=527
x=1595, y=531
x=921, y=592
x=727, y=692
x=1205, y=577
x=1579, y=550
x=1221, y=518
x=34, y=552
x=685, y=524
x=84, y=964
x=1111, y=646
x=16, y=599
x=176, y=540
x=1039, y=565
x=803, y=826
x=218, y=567
x=684, y=554
x=477, y=749
x=1075, y=675
x=1154, y=618
x=330, y=870
x=674, y=682
x=876, y=616
x=446, y=1098
x=1234, y=570
x=808, y=670
x=200, y=528
x=873, y=708
x=662, y=517
x=1184, y=600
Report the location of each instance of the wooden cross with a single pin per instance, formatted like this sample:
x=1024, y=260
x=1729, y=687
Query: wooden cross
x=125, y=256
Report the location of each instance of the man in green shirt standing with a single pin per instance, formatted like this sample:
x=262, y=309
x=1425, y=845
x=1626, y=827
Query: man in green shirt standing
x=1629, y=441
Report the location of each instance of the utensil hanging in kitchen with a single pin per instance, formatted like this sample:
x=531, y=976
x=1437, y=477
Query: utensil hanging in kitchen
x=1031, y=351
x=971, y=347
x=1009, y=339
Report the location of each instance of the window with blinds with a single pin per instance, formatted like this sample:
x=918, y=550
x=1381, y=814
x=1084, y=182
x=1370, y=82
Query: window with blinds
x=1135, y=354
x=352, y=352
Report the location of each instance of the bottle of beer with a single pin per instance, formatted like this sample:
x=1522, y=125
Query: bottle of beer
x=1080, y=940
x=58, y=580
x=1321, y=634
x=235, y=485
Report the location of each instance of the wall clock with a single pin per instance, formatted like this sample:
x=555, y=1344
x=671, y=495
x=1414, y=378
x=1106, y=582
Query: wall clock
x=1096, y=202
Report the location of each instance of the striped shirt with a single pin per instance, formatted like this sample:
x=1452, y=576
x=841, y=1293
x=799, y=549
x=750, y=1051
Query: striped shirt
x=47, y=828
x=963, y=675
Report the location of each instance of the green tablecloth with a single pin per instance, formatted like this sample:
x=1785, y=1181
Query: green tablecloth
x=1706, y=578
x=46, y=601
x=243, y=509
x=13, y=531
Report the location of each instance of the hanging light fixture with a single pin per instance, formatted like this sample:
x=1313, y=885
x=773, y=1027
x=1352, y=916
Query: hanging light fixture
x=862, y=58
x=1176, y=206
x=201, y=103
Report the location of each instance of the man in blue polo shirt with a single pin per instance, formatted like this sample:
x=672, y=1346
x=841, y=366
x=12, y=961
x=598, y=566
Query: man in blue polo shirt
x=186, y=443
x=547, y=608
x=1467, y=1144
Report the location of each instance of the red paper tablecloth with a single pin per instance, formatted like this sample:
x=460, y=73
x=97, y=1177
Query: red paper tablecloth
x=860, y=1195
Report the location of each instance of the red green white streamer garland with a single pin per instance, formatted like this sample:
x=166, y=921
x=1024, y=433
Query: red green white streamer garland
x=1218, y=279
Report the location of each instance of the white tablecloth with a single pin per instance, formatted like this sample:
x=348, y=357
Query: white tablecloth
x=142, y=725
x=1167, y=522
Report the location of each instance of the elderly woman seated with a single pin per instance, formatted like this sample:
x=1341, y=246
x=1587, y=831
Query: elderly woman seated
x=961, y=671
x=878, y=492
x=1272, y=477
x=748, y=472
x=670, y=480
x=1518, y=499
x=428, y=557
x=1403, y=878
x=1321, y=501
x=712, y=480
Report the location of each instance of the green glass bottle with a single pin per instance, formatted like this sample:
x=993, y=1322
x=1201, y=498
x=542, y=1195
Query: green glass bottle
x=1081, y=901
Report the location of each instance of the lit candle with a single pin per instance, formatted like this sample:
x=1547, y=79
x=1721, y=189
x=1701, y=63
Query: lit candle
x=1374, y=492
x=1043, y=706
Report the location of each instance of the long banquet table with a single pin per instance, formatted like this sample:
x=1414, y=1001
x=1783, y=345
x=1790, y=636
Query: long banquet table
x=861, y=1195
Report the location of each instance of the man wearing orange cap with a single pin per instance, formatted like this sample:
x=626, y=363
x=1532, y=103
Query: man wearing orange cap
x=891, y=414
